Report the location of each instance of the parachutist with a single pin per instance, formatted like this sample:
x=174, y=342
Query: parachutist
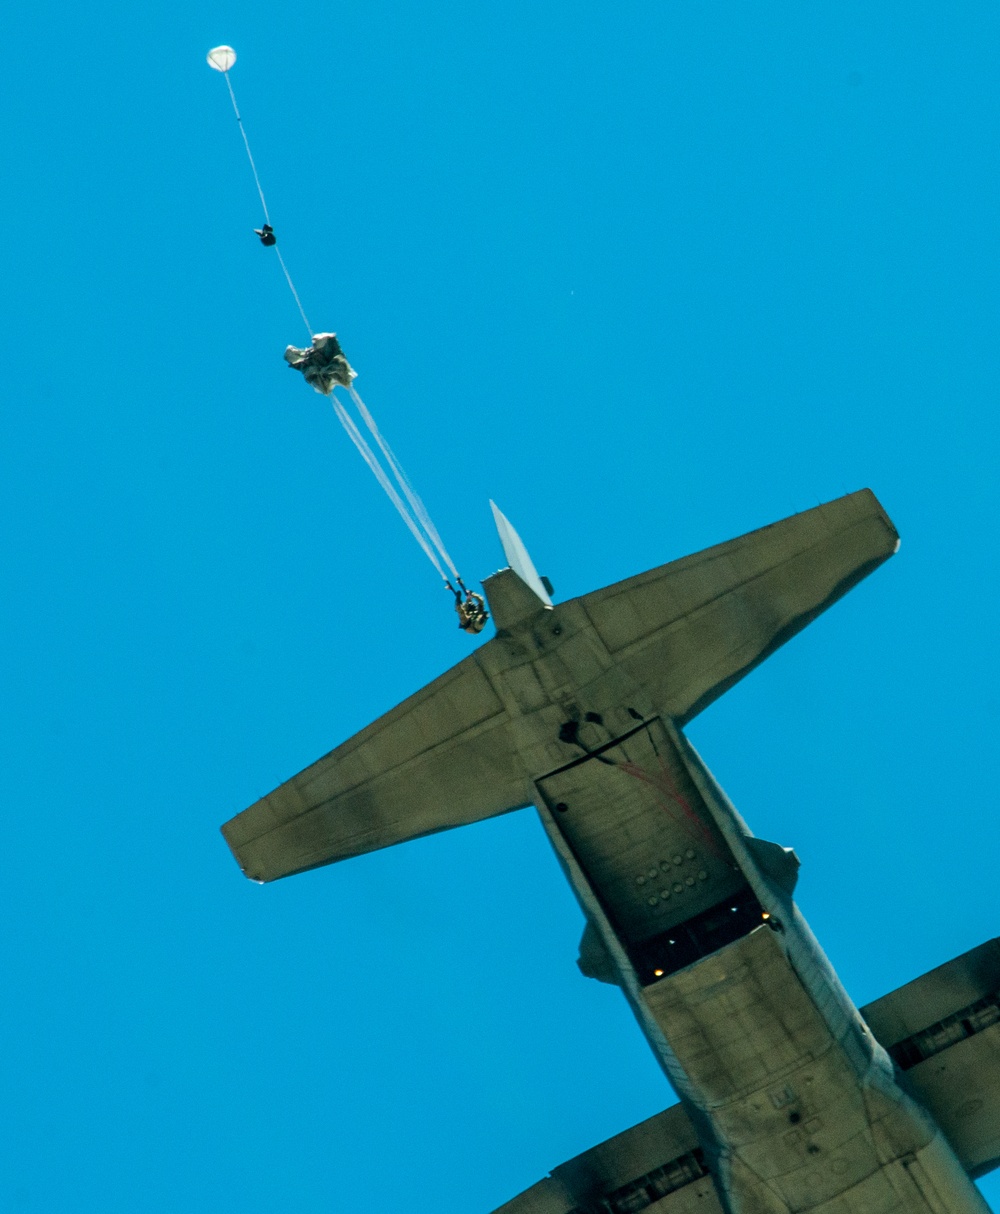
x=472, y=613
x=266, y=234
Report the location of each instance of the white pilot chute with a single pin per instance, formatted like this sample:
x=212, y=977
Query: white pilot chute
x=221, y=58
x=325, y=368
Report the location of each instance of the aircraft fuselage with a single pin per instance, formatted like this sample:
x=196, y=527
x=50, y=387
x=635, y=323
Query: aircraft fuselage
x=796, y=1104
x=790, y=1103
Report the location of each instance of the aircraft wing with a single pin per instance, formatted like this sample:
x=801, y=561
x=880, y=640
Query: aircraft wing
x=442, y=758
x=942, y=1030
x=689, y=630
x=657, y=1165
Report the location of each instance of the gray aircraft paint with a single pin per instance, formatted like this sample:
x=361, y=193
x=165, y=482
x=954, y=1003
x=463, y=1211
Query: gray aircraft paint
x=789, y=1098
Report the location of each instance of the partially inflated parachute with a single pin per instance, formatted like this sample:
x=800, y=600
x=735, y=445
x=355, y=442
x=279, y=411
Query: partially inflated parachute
x=323, y=364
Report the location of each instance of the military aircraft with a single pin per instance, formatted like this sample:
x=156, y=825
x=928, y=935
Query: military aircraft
x=791, y=1098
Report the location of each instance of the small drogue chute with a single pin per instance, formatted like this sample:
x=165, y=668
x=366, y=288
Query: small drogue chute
x=221, y=58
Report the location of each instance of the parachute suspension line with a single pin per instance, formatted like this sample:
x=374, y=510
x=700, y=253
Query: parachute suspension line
x=246, y=144
x=416, y=504
x=295, y=294
x=370, y=459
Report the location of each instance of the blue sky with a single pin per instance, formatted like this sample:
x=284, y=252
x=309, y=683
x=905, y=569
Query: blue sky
x=648, y=275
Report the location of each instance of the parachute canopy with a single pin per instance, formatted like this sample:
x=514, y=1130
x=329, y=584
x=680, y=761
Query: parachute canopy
x=323, y=363
x=221, y=58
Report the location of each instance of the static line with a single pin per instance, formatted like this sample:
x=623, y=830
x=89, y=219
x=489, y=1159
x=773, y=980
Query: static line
x=694, y=826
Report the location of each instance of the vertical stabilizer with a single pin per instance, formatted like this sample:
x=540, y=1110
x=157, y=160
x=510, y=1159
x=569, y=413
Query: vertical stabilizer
x=517, y=556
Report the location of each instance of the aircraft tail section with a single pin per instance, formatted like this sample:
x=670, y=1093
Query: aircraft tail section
x=473, y=743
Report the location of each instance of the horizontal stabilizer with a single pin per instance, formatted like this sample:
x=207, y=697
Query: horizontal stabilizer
x=457, y=751
x=656, y=1163
x=943, y=1032
x=689, y=630
x=444, y=757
